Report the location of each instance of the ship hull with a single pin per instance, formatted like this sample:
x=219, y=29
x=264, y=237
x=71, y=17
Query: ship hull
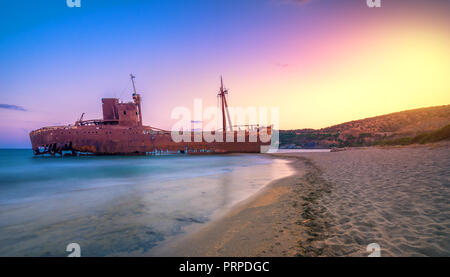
x=118, y=140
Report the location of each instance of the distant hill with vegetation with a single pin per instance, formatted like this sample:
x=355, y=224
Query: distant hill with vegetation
x=412, y=126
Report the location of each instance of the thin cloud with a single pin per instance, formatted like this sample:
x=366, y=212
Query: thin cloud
x=12, y=107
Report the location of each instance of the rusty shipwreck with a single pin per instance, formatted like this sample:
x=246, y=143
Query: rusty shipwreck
x=121, y=132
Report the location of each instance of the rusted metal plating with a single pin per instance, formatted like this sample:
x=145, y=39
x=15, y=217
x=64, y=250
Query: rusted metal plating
x=121, y=132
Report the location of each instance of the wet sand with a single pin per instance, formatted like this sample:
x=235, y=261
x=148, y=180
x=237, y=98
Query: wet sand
x=338, y=203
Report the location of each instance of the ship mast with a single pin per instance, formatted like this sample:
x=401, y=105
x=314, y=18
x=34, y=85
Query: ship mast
x=222, y=94
x=137, y=99
x=132, y=80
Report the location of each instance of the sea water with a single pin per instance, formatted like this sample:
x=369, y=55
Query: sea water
x=116, y=205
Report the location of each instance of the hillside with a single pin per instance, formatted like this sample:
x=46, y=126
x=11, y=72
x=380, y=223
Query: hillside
x=385, y=129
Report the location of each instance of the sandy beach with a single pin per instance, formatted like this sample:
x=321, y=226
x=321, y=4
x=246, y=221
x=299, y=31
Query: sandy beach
x=336, y=204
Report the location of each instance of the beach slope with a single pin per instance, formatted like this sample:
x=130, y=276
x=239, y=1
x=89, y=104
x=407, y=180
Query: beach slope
x=338, y=203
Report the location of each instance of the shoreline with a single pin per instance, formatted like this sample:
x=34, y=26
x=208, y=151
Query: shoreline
x=335, y=204
x=265, y=224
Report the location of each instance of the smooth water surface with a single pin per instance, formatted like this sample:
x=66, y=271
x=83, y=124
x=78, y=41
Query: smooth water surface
x=118, y=205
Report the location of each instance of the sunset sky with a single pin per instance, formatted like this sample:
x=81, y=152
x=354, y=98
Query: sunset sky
x=322, y=62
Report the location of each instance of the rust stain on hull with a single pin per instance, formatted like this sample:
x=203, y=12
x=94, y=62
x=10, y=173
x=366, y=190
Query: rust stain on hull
x=116, y=140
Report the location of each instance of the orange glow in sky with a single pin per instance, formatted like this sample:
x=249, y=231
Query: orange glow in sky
x=320, y=62
x=361, y=74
